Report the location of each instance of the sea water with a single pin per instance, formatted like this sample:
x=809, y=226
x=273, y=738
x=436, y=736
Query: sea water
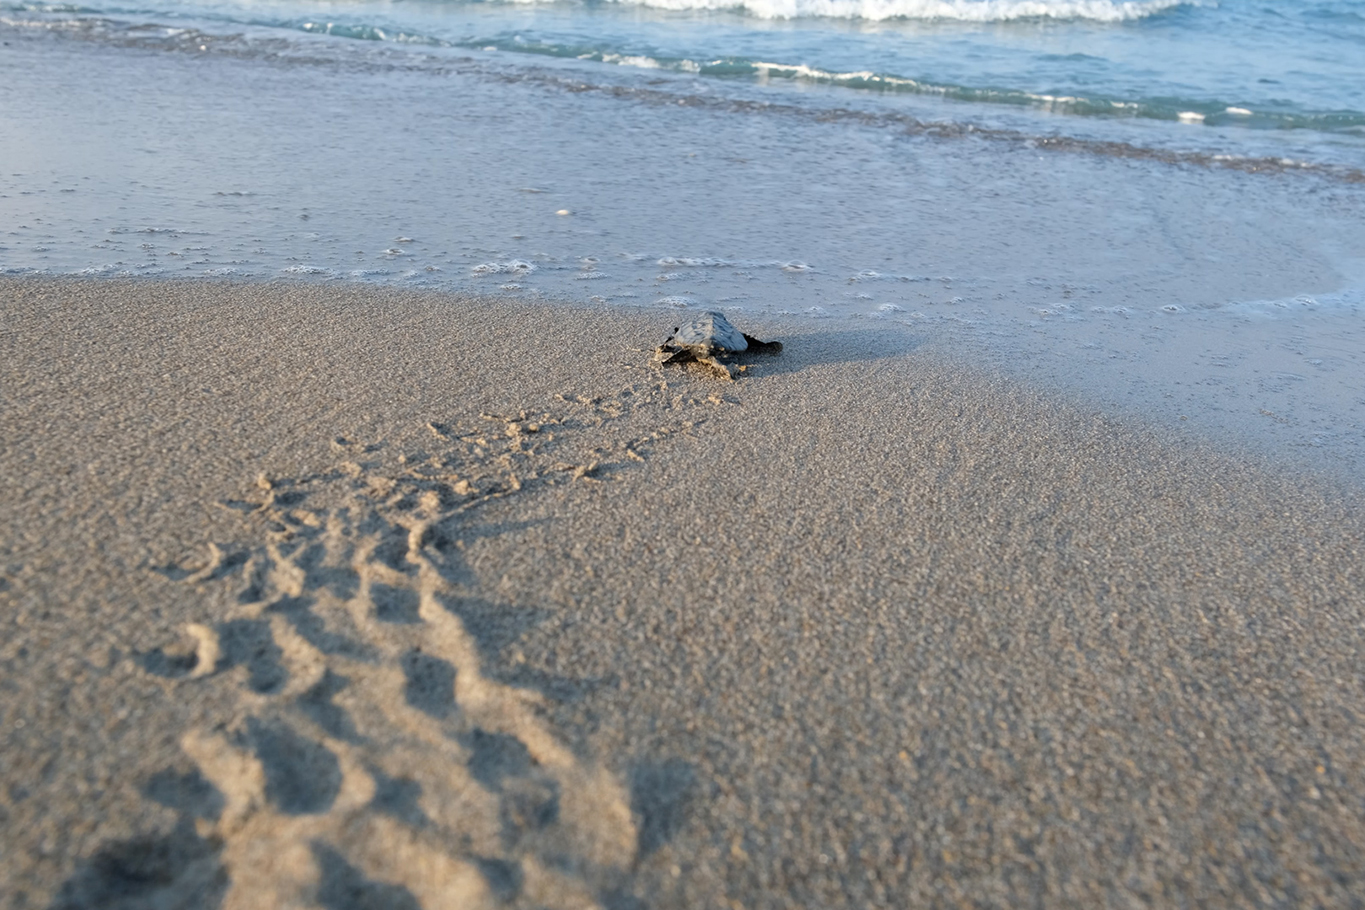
x=1292, y=65
x=1158, y=204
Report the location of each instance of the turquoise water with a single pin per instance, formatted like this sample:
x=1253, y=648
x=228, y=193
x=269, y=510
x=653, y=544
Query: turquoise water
x=1294, y=67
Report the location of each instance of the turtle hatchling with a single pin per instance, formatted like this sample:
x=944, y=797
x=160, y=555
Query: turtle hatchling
x=711, y=341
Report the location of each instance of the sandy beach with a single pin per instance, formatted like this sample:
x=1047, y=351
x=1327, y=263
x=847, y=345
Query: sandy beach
x=337, y=597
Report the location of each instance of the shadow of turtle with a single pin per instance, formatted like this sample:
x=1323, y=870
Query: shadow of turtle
x=811, y=348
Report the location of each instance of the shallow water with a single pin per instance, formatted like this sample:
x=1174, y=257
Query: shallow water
x=1291, y=67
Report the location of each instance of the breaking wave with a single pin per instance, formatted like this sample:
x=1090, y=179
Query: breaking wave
x=961, y=10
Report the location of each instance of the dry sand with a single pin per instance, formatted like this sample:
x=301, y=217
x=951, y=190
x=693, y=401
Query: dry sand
x=358, y=598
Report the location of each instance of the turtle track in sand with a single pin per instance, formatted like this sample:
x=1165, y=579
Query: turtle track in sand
x=376, y=755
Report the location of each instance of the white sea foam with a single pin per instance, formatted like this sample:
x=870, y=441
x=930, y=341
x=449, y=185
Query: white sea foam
x=1347, y=300
x=964, y=10
x=709, y=262
x=801, y=72
x=510, y=267
x=648, y=63
x=673, y=262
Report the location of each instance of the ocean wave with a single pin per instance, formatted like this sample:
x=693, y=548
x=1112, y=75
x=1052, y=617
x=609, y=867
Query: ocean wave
x=959, y=10
x=1193, y=112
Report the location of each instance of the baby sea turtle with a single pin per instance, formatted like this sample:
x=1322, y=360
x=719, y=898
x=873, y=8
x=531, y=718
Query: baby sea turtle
x=707, y=339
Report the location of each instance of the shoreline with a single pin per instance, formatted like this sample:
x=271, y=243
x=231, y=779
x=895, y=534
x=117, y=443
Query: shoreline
x=1097, y=277
x=458, y=599
x=1226, y=383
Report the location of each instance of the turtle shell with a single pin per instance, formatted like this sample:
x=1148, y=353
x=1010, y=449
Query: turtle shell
x=710, y=331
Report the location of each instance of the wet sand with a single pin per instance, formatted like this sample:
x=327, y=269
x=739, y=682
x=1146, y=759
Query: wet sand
x=346, y=598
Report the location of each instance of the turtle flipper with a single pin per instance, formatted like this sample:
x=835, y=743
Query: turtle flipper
x=667, y=353
x=720, y=370
x=762, y=347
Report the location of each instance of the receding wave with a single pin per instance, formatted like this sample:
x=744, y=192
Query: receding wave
x=960, y=10
x=1192, y=111
x=1207, y=112
x=190, y=40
